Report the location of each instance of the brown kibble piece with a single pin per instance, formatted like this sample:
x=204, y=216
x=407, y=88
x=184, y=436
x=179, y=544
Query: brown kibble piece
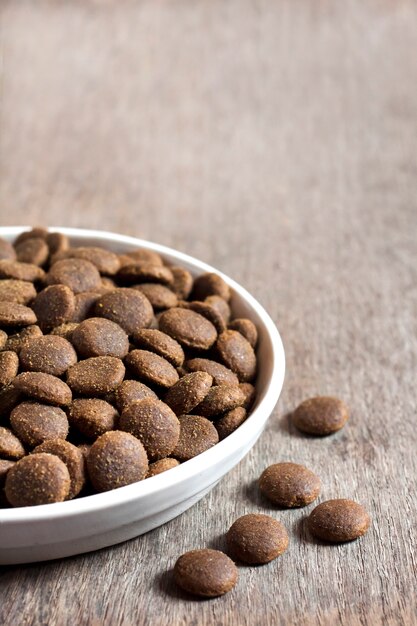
x=65, y=330
x=209, y=312
x=4, y=468
x=36, y=231
x=338, y=521
x=11, y=447
x=159, y=466
x=152, y=368
x=197, y=434
x=141, y=255
x=9, y=365
x=21, y=271
x=116, y=459
x=106, y=261
x=189, y=328
x=320, y=416
x=289, y=485
x=98, y=336
x=50, y=354
x=156, y=341
x=182, y=282
x=256, y=539
x=19, y=291
x=246, y=328
x=13, y=314
x=206, y=573
x=220, y=373
x=57, y=242
x=127, y=307
x=145, y=273
x=33, y=250
x=77, y=274
x=249, y=393
x=236, y=353
x=158, y=295
x=92, y=416
x=210, y=284
x=84, y=305
x=131, y=391
x=7, y=251
x=84, y=448
x=3, y=339
x=35, y=423
x=221, y=306
x=73, y=459
x=43, y=387
x=96, y=376
x=37, y=479
x=154, y=423
x=21, y=339
x=9, y=398
x=220, y=399
x=188, y=392
x=227, y=424
x=54, y=306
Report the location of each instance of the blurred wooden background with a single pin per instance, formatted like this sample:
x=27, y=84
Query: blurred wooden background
x=277, y=141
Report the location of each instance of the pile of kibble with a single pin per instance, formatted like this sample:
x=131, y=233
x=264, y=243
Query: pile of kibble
x=113, y=367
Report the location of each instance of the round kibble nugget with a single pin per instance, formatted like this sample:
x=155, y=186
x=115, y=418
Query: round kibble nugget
x=96, y=376
x=246, y=328
x=152, y=368
x=158, y=467
x=197, y=434
x=77, y=274
x=33, y=250
x=22, y=338
x=156, y=341
x=220, y=399
x=65, y=330
x=188, y=392
x=6, y=250
x=21, y=271
x=131, y=391
x=37, y=479
x=256, y=539
x=210, y=285
x=116, y=459
x=14, y=314
x=73, y=459
x=236, y=353
x=50, y=354
x=320, y=416
x=35, y=423
x=158, y=295
x=206, y=573
x=145, y=273
x=10, y=446
x=19, y=291
x=106, y=261
x=249, y=392
x=43, y=387
x=9, y=398
x=37, y=231
x=99, y=336
x=189, y=328
x=220, y=373
x=4, y=468
x=154, y=423
x=84, y=305
x=338, y=521
x=227, y=424
x=92, y=417
x=54, y=306
x=3, y=339
x=182, y=282
x=127, y=307
x=209, y=312
x=221, y=306
x=57, y=242
x=9, y=364
x=289, y=485
x=141, y=255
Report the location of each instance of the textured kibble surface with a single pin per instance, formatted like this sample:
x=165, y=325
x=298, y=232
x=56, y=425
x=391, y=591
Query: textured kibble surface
x=37, y=479
x=321, y=415
x=256, y=539
x=206, y=573
x=289, y=485
x=115, y=358
x=338, y=521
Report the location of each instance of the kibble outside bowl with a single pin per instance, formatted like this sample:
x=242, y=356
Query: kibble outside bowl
x=52, y=531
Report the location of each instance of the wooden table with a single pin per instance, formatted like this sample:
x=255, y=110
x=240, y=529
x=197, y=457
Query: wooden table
x=276, y=141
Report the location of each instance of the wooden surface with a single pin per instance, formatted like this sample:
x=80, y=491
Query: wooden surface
x=276, y=141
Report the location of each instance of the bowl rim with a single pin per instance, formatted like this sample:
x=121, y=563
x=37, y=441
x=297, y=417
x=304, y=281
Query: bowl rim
x=182, y=473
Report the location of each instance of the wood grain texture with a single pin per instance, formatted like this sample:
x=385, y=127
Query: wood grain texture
x=276, y=141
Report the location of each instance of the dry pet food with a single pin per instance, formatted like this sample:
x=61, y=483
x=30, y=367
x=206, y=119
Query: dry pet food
x=289, y=485
x=320, y=416
x=256, y=539
x=206, y=573
x=338, y=521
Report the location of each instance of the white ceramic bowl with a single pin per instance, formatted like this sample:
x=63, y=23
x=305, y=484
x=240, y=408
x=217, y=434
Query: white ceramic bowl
x=53, y=531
